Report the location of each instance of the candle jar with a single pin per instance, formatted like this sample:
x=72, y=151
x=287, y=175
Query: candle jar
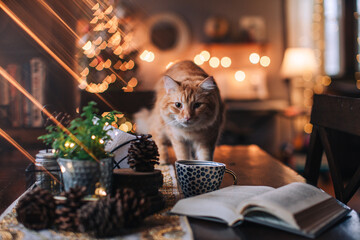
x=47, y=172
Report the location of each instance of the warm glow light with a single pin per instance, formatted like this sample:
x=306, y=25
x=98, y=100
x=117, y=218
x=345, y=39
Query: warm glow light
x=118, y=64
x=297, y=62
x=83, y=84
x=103, y=45
x=133, y=82
x=94, y=20
x=85, y=72
x=113, y=78
x=100, y=66
x=118, y=50
x=109, y=10
x=326, y=80
x=87, y=46
x=107, y=64
x=169, y=65
x=254, y=58
x=147, y=56
x=130, y=64
x=129, y=125
x=123, y=127
x=240, y=76
x=205, y=55
x=97, y=41
x=95, y=7
x=198, y=60
x=265, y=61
x=101, y=141
x=308, y=128
x=93, y=137
x=214, y=62
x=99, y=27
x=226, y=62
x=94, y=62
x=100, y=192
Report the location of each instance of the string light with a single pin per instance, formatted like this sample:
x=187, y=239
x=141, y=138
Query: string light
x=147, y=56
x=254, y=58
x=226, y=62
x=265, y=61
x=240, y=76
x=214, y=62
x=93, y=137
x=198, y=60
x=205, y=56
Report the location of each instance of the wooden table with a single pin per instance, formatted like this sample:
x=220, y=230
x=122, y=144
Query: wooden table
x=253, y=166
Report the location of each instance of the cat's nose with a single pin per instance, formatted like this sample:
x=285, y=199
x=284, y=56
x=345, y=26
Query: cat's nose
x=187, y=118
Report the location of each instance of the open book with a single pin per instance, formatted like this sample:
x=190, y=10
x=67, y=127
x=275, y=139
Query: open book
x=297, y=207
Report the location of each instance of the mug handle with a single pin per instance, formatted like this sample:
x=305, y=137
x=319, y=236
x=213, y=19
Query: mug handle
x=232, y=174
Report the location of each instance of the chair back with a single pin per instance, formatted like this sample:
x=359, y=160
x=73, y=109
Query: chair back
x=336, y=131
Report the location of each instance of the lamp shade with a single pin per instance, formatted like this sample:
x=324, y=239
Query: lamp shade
x=298, y=61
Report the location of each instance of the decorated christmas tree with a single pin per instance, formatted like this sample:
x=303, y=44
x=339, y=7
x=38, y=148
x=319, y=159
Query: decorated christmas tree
x=106, y=57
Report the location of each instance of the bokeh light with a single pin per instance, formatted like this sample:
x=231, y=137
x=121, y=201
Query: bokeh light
x=198, y=60
x=265, y=61
x=254, y=58
x=240, y=76
x=205, y=56
x=214, y=62
x=226, y=62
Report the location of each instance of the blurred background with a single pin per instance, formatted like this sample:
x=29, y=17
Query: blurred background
x=268, y=58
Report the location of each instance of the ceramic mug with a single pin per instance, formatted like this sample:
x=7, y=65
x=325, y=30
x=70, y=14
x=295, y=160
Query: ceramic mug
x=196, y=176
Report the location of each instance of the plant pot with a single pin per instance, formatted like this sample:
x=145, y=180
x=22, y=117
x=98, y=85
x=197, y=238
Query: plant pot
x=86, y=173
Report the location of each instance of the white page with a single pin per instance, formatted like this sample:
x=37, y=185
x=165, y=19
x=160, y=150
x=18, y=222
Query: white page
x=221, y=203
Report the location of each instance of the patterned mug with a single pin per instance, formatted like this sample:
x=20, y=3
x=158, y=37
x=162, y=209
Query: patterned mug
x=196, y=176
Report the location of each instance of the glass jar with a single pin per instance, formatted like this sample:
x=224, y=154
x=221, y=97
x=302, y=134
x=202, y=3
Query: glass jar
x=47, y=171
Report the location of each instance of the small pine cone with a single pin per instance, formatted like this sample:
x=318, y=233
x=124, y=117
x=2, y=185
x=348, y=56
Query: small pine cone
x=66, y=209
x=36, y=210
x=134, y=206
x=103, y=218
x=63, y=118
x=143, y=154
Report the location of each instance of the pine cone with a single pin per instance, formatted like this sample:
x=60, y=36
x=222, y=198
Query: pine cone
x=143, y=154
x=103, y=218
x=66, y=218
x=134, y=206
x=36, y=210
x=62, y=117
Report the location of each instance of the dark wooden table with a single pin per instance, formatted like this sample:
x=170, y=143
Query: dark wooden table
x=253, y=166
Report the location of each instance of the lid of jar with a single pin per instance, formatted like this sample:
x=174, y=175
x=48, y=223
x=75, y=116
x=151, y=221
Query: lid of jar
x=45, y=154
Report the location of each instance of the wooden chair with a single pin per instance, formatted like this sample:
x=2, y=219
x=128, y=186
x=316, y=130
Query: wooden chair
x=336, y=128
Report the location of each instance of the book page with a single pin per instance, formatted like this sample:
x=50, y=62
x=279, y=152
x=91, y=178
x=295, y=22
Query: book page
x=220, y=204
x=285, y=202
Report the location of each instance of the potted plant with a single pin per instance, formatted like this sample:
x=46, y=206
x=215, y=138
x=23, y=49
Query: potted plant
x=80, y=149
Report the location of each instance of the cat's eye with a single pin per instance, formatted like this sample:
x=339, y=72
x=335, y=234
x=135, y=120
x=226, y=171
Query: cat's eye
x=196, y=105
x=178, y=104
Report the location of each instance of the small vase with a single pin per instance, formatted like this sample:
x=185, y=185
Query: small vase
x=86, y=173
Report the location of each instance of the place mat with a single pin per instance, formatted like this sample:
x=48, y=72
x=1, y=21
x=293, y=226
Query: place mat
x=160, y=226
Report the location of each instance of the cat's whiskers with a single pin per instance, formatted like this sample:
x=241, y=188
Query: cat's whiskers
x=170, y=122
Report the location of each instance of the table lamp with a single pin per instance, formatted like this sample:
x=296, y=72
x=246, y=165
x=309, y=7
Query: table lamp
x=297, y=62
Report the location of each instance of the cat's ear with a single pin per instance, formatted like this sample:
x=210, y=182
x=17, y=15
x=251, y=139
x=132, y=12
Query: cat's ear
x=208, y=83
x=170, y=84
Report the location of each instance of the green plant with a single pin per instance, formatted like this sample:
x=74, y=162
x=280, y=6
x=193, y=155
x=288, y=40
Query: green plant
x=84, y=138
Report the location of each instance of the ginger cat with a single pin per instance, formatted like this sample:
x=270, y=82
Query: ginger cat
x=188, y=112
